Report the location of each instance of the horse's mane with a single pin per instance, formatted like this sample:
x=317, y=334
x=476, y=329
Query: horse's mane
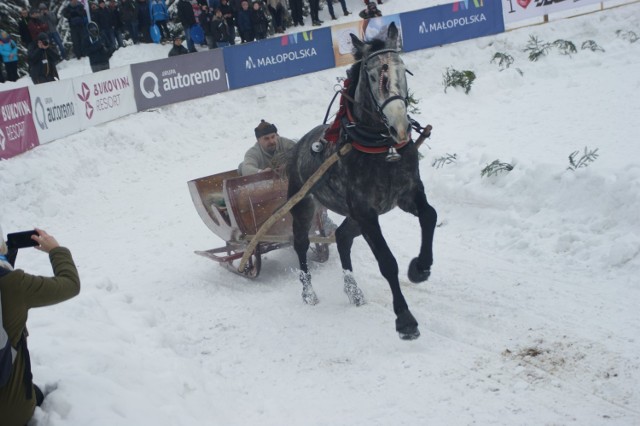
x=353, y=73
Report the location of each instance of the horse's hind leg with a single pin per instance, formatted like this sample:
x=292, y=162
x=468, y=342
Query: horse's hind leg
x=406, y=324
x=302, y=216
x=346, y=232
x=420, y=267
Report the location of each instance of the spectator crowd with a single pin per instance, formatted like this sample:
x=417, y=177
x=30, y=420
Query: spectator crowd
x=99, y=33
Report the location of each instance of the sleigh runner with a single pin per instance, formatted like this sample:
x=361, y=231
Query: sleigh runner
x=234, y=208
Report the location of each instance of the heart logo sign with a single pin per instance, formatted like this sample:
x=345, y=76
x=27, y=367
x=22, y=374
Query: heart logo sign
x=524, y=3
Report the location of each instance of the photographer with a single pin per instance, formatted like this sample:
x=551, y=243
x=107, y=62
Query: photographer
x=20, y=292
x=42, y=60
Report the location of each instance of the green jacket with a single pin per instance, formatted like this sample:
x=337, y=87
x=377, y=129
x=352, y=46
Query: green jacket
x=21, y=292
x=257, y=159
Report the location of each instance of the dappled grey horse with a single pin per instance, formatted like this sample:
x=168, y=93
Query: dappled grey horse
x=378, y=174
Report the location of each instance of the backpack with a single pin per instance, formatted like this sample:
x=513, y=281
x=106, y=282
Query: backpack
x=7, y=352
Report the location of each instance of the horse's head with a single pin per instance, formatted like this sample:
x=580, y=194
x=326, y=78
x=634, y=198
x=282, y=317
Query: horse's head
x=382, y=84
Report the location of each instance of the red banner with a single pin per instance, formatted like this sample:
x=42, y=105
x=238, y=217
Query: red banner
x=17, y=132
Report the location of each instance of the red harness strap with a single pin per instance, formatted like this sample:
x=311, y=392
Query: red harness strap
x=332, y=134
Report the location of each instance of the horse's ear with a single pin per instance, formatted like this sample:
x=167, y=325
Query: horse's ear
x=392, y=36
x=357, y=43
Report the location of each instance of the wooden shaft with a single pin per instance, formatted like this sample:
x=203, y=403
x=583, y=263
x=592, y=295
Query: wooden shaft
x=423, y=136
x=282, y=211
x=288, y=239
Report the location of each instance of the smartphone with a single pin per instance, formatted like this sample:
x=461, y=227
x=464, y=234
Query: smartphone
x=19, y=240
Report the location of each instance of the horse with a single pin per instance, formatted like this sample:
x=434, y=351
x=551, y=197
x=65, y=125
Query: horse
x=366, y=183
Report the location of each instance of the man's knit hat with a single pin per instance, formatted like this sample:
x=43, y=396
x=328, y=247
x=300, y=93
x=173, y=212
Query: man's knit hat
x=265, y=128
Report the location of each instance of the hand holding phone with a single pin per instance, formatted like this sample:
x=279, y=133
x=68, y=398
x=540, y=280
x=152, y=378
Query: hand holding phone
x=18, y=240
x=42, y=241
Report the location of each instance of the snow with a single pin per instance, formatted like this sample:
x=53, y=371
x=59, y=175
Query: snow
x=530, y=316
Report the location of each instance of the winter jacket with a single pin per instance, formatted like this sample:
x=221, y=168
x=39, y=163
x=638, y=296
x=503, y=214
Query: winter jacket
x=229, y=14
x=220, y=30
x=259, y=23
x=205, y=19
x=256, y=159
x=76, y=15
x=37, y=26
x=128, y=11
x=23, y=29
x=21, y=292
x=369, y=14
x=116, y=17
x=185, y=14
x=244, y=20
x=144, y=19
x=7, y=49
x=95, y=49
x=42, y=64
x=158, y=11
x=178, y=50
x=52, y=21
x=102, y=17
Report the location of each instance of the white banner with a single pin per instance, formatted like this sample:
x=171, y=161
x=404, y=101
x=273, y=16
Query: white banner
x=55, y=114
x=104, y=96
x=518, y=10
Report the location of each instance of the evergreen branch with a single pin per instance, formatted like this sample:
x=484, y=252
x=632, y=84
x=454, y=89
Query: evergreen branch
x=444, y=160
x=586, y=158
x=495, y=168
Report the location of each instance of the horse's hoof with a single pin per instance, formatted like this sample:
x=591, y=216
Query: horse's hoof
x=355, y=295
x=407, y=326
x=410, y=336
x=417, y=274
x=309, y=295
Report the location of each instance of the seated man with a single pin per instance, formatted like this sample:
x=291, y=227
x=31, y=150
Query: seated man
x=268, y=151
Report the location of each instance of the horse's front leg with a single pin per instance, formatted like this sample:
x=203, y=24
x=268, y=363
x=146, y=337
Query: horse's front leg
x=406, y=324
x=420, y=267
x=303, y=213
x=346, y=232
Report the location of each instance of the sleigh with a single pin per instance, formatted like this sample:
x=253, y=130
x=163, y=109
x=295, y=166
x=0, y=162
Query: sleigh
x=234, y=208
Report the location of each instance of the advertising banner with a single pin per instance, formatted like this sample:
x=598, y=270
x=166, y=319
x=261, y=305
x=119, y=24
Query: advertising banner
x=54, y=110
x=103, y=96
x=17, y=133
x=176, y=79
x=518, y=10
x=450, y=23
x=279, y=57
x=366, y=30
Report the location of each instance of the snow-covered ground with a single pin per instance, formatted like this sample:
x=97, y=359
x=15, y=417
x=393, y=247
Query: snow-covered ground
x=530, y=316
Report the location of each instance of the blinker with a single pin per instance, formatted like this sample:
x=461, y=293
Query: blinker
x=317, y=146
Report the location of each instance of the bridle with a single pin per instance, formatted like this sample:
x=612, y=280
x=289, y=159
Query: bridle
x=369, y=138
x=383, y=76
